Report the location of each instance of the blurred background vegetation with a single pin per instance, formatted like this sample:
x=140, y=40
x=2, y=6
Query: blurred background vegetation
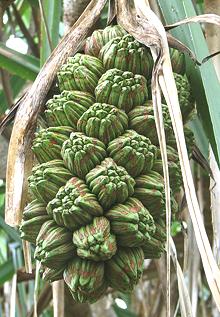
x=29, y=31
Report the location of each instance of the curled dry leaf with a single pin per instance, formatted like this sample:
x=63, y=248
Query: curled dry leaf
x=203, y=18
x=175, y=43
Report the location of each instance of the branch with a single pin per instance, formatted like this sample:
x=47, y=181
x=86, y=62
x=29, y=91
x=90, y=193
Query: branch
x=5, y=4
x=36, y=18
x=33, y=46
x=23, y=276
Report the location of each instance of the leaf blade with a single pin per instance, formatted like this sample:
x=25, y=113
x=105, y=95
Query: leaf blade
x=7, y=271
x=24, y=66
x=52, y=13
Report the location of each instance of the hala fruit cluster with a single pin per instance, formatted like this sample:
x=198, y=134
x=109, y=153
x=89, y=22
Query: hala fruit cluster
x=98, y=204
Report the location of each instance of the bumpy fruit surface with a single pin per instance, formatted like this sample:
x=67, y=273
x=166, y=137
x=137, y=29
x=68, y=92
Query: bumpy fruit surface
x=85, y=279
x=132, y=223
x=81, y=153
x=101, y=37
x=47, y=178
x=66, y=109
x=142, y=120
x=95, y=241
x=103, y=121
x=134, y=152
x=48, y=143
x=185, y=94
x=149, y=190
x=177, y=61
x=127, y=54
x=81, y=72
x=125, y=268
x=74, y=205
x=34, y=216
x=121, y=89
x=110, y=183
x=98, y=201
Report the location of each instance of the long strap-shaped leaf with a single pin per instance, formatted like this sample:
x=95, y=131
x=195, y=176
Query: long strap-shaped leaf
x=24, y=66
x=168, y=87
x=19, y=164
x=204, y=18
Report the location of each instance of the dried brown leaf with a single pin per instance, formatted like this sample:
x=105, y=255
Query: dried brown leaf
x=203, y=18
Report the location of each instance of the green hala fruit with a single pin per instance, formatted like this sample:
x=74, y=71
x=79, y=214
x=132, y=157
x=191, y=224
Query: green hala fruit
x=134, y=152
x=48, y=143
x=66, y=109
x=34, y=216
x=125, y=268
x=100, y=37
x=190, y=142
x=174, y=168
x=190, y=139
x=142, y=120
x=127, y=54
x=47, y=178
x=149, y=190
x=94, y=241
x=74, y=206
x=103, y=121
x=160, y=233
x=110, y=183
x=81, y=72
x=185, y=94
x=81, y=153
x=178, y=61
x=54, y=246
x=34, y=209
x=85, y=280
x=112, y=31
x=174, y=173
x=131, y=223
x=172, y=154
x=94, y=43
x=52, y=275
x=122, y=89
x=156, y=246
x=154, y=249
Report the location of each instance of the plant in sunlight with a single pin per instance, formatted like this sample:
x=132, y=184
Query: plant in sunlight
x=107, y=181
